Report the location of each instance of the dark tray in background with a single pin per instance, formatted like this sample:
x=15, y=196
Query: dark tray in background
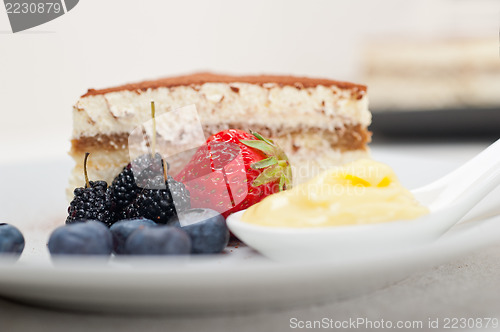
x=470, y=122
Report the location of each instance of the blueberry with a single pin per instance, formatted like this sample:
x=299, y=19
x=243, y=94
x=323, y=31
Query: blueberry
x=160, y=240
x=81, y=238
x=121, y=230
x=11, y=240
x=206, y=228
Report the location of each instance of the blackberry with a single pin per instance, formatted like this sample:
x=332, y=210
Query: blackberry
x=144, y=172
x=91, y=202
x=160, y=205
x=123, y=189
x=180, y=194
x=143, y=189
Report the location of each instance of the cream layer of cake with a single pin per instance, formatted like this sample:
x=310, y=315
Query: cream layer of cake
x=319, y=123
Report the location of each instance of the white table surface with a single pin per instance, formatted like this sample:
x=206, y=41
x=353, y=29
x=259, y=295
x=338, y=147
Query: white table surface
x=466, y=288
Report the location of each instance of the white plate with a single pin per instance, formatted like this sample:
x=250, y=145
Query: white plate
x=32, y=198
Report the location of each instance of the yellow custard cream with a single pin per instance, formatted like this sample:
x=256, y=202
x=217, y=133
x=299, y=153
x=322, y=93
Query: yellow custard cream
x=362, y=192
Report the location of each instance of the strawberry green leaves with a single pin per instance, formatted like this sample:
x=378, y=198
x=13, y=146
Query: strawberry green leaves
x=260, y=145
x=268, y=175
x=275, y=167
x=265, y=163
x=262, y=138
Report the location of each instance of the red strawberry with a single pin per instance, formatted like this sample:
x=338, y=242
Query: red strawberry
x=234, y=170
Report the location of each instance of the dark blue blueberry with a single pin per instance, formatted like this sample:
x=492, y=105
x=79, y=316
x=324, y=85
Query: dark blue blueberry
x=11, y=240
x=121, y=230
x=160, y=240
x=81, y=238
x=206, y=228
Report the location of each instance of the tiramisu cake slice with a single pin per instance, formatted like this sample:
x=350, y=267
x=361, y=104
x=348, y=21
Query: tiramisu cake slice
x=318, y=122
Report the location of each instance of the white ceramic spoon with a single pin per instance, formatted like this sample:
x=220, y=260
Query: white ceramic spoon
x=448, y=200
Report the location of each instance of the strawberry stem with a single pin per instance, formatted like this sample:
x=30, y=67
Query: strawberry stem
x=283, y=163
